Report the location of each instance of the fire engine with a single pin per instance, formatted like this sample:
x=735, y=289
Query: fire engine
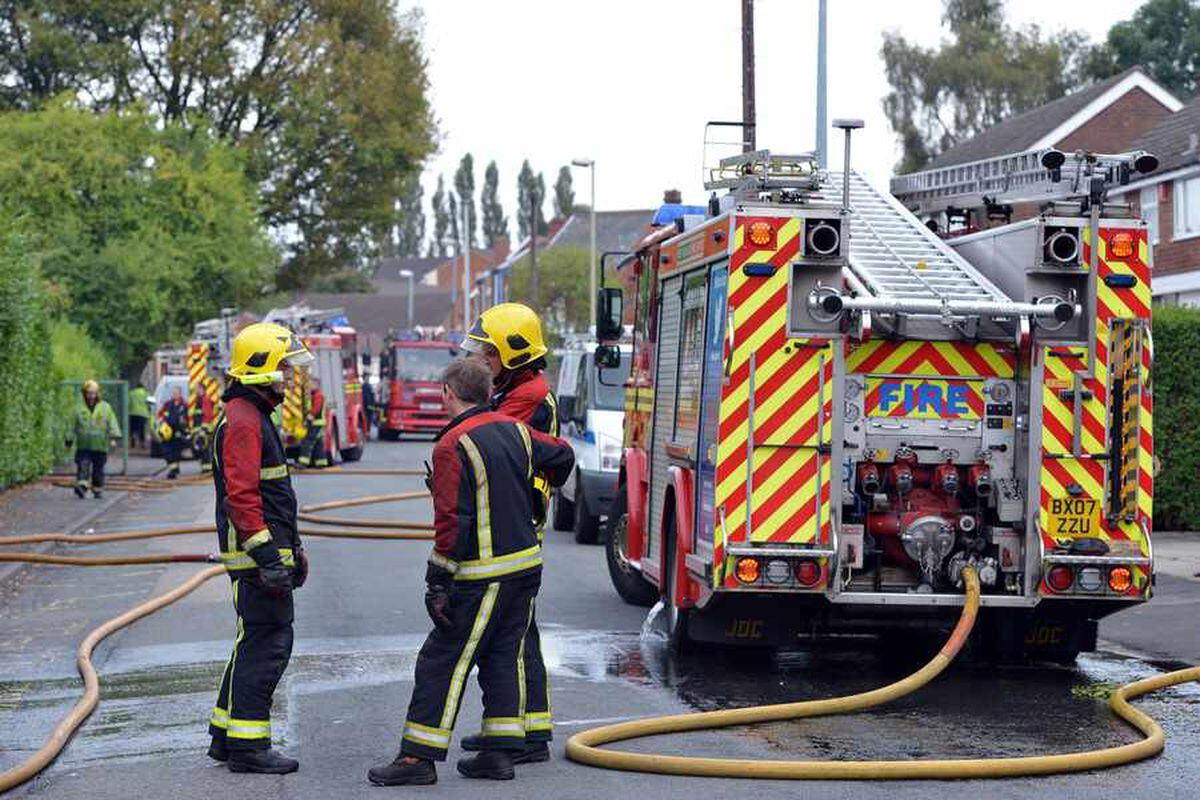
x=333, y=343
x=411, y=376
x=832, y=411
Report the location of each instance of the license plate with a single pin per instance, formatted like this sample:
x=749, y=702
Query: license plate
x=1074, y=517
x=431, y=406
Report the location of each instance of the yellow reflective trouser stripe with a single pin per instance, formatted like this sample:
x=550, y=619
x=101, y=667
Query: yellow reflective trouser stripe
x=503, y=726
x=522, y=700
x=239, y=559
x=537, y=721
x=483, y=514
x=219, y=718
x=424, y=734
x=248, y=728
x=528, y=450
x=484, y=614
x=273, y=473
x=499, y=565
x=439, y=560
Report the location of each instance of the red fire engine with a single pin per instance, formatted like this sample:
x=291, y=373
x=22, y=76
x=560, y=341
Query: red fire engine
x=831, y=412
x=411, y=376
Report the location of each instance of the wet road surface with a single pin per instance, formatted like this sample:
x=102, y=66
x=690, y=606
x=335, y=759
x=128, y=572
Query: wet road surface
x=360, y=621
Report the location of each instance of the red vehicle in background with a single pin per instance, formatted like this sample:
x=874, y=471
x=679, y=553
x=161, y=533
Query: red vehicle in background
x=410, y=380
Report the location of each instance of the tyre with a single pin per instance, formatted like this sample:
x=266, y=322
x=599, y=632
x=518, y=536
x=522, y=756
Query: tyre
x=352, y=453
x=586, y=524
x=564, y=512
x=388, y=435
x=677, y=618
x=629, y=583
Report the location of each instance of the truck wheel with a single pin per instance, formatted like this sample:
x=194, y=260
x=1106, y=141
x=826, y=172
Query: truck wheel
x=564, y=512
x=586, y=524
x=352, y=453
x=677, y=618
x=629, y=583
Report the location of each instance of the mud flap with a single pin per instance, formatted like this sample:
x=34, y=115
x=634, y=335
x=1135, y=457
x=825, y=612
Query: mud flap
x=752, y=621
x=1041, y=635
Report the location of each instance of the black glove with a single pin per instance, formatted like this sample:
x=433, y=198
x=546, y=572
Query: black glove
x=428, y=477
x=273, y=576
x=437, y=603
x=300, y=571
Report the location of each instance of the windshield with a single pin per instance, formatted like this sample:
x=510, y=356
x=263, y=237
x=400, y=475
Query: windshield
x=420, y=363
x=609, y=388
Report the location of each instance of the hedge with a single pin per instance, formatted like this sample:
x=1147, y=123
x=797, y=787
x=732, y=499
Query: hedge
x=25, y=365
x=1176, y=381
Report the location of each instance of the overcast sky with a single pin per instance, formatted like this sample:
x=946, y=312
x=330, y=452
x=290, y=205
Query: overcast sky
x=631, y=83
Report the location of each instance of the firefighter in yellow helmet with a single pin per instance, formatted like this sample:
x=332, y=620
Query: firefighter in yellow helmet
x=509, y=337
x=94, y=428
x=260, y=545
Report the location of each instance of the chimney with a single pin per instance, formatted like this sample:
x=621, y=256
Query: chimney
x=673, y=196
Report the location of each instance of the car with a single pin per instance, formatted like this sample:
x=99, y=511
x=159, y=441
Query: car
x=591, y=409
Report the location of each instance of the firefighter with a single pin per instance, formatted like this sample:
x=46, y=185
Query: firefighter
x=202, y=431
x=312, y=449
x=482, y=577
x=139, y=415
x=94, y=430
x=508, y=337
x=173, y=430
x=260, y=545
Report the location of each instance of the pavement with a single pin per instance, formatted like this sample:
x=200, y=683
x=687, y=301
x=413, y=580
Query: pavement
x=360, y=620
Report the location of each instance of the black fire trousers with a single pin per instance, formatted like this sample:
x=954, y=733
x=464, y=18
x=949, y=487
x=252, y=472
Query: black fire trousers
x=89, y=468
x=173, y=450
x=490, y=620
x=242, y=715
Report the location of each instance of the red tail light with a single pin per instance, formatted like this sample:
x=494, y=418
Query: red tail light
x=1060, y=578
x=808, y=573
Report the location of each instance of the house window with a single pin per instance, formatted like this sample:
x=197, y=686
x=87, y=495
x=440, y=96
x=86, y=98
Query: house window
x=1149, y=207
x=1187, y=208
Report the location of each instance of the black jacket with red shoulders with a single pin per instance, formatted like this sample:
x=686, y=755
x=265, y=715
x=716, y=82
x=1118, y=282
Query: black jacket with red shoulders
x=255, y=500
x=526, y=396
x=483, y=514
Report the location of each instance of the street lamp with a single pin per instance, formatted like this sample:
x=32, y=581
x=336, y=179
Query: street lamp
x=591, y=164
x=408, y=273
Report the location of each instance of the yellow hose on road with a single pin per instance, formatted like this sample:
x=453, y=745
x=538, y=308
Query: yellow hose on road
x=584, y=747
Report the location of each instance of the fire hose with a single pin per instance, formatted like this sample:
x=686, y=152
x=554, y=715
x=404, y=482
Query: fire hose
x=88, y=701
x=584, y=747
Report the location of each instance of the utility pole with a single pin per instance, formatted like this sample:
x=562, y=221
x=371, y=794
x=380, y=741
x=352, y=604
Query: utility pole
x=822, y=141
x=534, y=202
x=749, y=139
x=466, y=281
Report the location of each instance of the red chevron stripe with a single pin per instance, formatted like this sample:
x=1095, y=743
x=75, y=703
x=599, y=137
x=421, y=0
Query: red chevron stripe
x=769, y=306
x=762, y=471
x=797, y=520
x=1059, y=432
x=792, y=486
x=793, y=404
x=876, y=358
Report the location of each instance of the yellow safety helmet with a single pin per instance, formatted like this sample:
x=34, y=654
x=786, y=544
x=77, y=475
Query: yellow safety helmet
x=90, y=386
x=260, y=350
x=165, y=432
x=513, y=329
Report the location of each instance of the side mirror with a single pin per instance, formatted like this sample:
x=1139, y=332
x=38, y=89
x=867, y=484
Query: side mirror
x=610, y=316
x=566, y=407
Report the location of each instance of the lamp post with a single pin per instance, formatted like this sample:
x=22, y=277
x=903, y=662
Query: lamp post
x=591, y=165
x=408, y=273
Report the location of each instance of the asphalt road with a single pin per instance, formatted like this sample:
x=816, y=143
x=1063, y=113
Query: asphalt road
x=360, y=621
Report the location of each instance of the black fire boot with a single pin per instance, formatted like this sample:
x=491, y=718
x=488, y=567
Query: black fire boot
x=474, y=743
x=533, y=753
x=80, y=491
x=404, y=771
x=266, y=762
x=97, y=493
x=496, y=765
x=218, y=750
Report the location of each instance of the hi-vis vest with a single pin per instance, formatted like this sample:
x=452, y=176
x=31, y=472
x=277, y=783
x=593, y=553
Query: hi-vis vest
x=278, y=498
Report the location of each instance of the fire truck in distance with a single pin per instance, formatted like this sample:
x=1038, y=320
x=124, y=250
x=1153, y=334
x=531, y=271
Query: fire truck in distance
x=410, y=376
x=333, y=343
x=832, y=412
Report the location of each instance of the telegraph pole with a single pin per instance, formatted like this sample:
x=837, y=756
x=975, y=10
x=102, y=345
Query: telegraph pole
x=466, y=281
x=749, y=139
x=534, y=200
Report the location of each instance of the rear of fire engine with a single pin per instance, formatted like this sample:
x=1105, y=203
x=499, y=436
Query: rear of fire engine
x=832, y=412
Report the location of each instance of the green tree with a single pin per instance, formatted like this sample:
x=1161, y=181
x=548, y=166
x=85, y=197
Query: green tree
x=441, y=220
x=985, y=73
x=495, y=224
x=525, y=182
x=140, y=230
x=453, y=238
x=538, y=198
x=563, y=298
x=1163, y=37
x=410, y=216
x=329, y=98
x=464, y=185
x=564, y=195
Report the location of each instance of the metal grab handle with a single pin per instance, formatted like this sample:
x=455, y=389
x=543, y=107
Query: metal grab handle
x=968, y=427
x=897, y=427
x=730, y=340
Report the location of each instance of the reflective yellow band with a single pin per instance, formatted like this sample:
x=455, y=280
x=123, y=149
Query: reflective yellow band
x=439, y=560
x=424, y=734
x=239, y=560
x=499, y=565
x=459, y=677
x=528, y=449
x=538, y=721
x=483, y=513
x=258, y=539
x=219, y=718
x=503, y=726
x=273, y=473
x=248, y=728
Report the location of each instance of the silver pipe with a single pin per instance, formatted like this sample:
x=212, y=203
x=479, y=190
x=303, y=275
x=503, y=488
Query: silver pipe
x=833, y=304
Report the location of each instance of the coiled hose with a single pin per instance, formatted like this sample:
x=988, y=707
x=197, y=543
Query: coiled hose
x=584, y=747
x=87, y=702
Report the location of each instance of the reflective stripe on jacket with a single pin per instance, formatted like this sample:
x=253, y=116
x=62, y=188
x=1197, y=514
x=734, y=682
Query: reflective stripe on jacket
x=95, y=426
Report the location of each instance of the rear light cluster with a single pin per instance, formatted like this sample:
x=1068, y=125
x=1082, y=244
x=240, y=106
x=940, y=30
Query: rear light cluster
x=806, y=572
x=1065, y=578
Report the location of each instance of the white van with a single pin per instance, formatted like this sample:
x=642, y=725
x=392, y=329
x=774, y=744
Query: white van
x=592, y=415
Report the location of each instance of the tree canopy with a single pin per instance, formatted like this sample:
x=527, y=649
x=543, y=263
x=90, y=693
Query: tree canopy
x=1163, y=37
x=564, y=194
x=495, y=224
